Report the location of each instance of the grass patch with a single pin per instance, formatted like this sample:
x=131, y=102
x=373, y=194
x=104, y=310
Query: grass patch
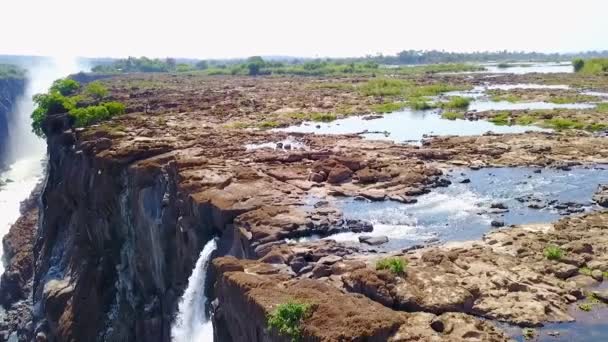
x=525, y=120
x=287, y=318
x=452, y=115
x=384, y=87
x=596, y=127
x=505, y=97
x=457, y=102
x=237, y=125
x=430, y=90
x=420, y=104
x=585, y=271
x=553, y=252
x=269, y=124
x=388, y=107
x=501, y=119
x=561, y=124
x=394, y=265
x=602, y=107
x=572, y=99
x=323, y=117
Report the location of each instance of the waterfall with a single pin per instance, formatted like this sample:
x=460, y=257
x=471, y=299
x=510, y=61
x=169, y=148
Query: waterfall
x=192, y=322
x=25, y=149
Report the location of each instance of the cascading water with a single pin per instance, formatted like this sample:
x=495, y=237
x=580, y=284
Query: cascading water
x=25, y=148
x=192, y=322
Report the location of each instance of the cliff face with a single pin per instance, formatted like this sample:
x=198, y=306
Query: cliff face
x=10, y=91
x=114, y=245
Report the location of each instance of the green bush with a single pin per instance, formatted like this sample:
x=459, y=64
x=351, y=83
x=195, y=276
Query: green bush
x=49, y=104
x=287, y=318
x=65, y=86
x=553, y=252
x=578, y=64
x=202, y=65
x=501, y=119
x=114, y=108
x=255, y=65
x=561, y=124
x=595, y=66
x=456, y=102
x=395, y=265
x=525, y=120
x=452, y=115
x=96, y=90
x=89, y=115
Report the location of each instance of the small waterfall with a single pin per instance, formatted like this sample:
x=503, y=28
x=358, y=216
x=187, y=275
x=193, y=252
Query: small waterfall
x=192, y=322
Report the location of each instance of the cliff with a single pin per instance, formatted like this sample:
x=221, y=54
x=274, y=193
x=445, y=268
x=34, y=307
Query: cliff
x=11, y=88
x=128, y=205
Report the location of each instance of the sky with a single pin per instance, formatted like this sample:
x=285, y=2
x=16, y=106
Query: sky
x=307, y=28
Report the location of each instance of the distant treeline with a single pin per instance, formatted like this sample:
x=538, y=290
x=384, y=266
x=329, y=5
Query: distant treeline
x=435, y=56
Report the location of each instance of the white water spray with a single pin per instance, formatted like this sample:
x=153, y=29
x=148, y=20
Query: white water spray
x=192, y=323
x=25, y=149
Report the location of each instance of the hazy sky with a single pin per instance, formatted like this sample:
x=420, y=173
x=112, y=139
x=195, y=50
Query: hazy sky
x=239, y=28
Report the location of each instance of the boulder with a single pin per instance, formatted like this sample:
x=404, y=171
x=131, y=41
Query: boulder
x=373, y=240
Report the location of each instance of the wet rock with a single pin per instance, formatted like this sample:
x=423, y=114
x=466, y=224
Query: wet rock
x=373, y=240
x=597, y=275
x=583, y=281
x=465, y=181
x=499, y=206
x=601, y=196
x=317, y=177
x=497, y=224
x=601, y=295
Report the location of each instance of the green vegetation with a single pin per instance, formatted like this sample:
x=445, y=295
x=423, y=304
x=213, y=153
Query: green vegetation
x=269, y=124
x=420, y=104
x=525, y=120
x=456, y=102
x=578, y=64
x=452, y=115
x=585, y=307
x=594, y=66
x=501, y=119
x=394, y=265
x=602, y=107
x=577, y=98
x=133, y=64
x=388, y=107
x=96, y=90
x=504, y=65
x=585, y=271
x=553, y=252
x=63, y=98
x=562, y=123
x=318, y=117
x=497, y=97
x=384, y=87
x=287, y=319
x=11, y=71
x=528, y=333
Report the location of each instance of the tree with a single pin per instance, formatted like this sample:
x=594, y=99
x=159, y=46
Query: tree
x=202, y=65
x=255, y=64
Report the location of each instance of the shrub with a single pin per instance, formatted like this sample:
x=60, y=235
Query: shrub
x=96, y=90
x=578, y=64
x=49, y=104
x=594, y=66
x=602, y=107
x=89, y=115
x=457, y=102
x=504, y=65
x=452, y=115
x=114, y=108
x=525, y=120
x=395, y=265
x=553, y=252
x=65, y=86
x=287, y=318
x=254, y=65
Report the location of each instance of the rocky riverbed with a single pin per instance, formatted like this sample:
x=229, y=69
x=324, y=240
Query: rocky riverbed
x=128, y=205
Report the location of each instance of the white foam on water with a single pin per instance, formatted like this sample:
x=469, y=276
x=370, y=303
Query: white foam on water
x=192, y=322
